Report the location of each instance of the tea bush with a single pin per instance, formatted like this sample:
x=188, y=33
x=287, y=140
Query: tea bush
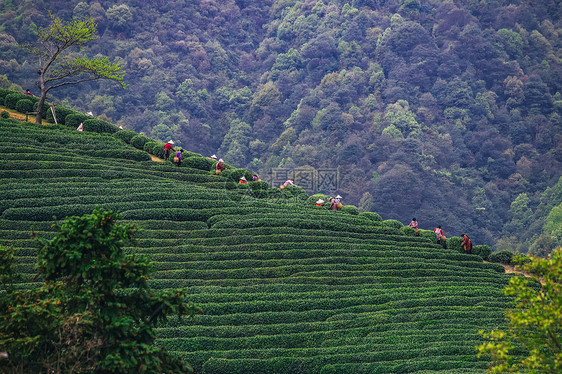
x=319, y=196
x=482, y=250
x=125, y=135
x=350, y=209
x=75, y=119
x=11, y=99
x=198, y=162
x=61, y=112
x=5, y=114
x=235, y=174
x=393, y=223
x=99, y=126
x=139, y=140
x=372, y=216
x=408, y=231
x=502, y=257
x=24, y=106
x=454, y=243
x=3, y=93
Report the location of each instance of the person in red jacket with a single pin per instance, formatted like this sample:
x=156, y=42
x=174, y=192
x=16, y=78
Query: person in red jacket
x=219, y=167
x=466, y=244
x=167, y=149
x=439, y=233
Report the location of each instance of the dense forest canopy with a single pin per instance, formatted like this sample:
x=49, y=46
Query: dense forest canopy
x=449, y=111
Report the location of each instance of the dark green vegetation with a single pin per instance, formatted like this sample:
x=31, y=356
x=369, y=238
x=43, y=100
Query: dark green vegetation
x=94, y=313
x=535, y=322
x=285, y=287
x=442, y=110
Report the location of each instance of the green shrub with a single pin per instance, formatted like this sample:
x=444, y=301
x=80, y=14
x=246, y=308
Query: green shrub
x=24, y=106
x=235, y=174
x=454, y=243
x=319, y=196
x=198, y=162
x=61, y=112
x=5, y=114
x=408, y=231
x=158, y=150
x=393, y=223
x=125, y=135
x=502, y=257
x=294, y=191
x=429, y=234
x=3, y=93
x=75, y=119
x=12, y=99
x=149, y=146
x=482, y=250
x=99, y=126
x=126, y=154
x=372, y=216
x=260, y=185
x=139, y=140
x=350, y=209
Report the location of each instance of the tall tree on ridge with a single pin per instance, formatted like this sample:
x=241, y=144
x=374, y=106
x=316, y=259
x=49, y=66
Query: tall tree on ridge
x=57, y=69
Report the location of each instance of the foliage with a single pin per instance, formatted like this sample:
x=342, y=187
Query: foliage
x=350, y=209
x=532, y=341
x=95, y=301
x=55, y=69
x=12, y=99
x=372, y=216
x=5, y=114
x=24, y=106
x=393, y=223
x=139, y=140
x=125, y=135
x=75, y=119
x=454, y=243
x=99, y=126
x=203, y=163
x=477, y=84
x=482, y=250
x=502, y=257
x=61, y=112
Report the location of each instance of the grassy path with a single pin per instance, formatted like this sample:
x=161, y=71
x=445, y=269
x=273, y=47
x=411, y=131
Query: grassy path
x=20, y=116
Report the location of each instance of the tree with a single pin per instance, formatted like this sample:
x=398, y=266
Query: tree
x=532, y=342
x=95, y=312
x=57, y=68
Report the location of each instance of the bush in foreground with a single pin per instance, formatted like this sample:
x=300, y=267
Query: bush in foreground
x=95, y=311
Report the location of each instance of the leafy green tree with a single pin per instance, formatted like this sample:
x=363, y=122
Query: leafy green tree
x=119, y=16
x=57, y=68
x=236, y=143
x=399, y=115
x=532, y=343
x=95, y=309
x=367, y=203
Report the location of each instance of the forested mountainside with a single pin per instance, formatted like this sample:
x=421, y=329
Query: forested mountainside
x=449, y=111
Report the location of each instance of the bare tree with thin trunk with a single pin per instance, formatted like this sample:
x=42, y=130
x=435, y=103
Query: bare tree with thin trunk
x=57, y=68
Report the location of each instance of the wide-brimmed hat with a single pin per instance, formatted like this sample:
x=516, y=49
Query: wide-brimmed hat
x=320, y=201
x=220, y=160
x=214, y=156
x=171, y=141
x=338, y=197
x=243, y=178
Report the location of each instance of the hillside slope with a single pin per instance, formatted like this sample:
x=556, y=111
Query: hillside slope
x=286, y=287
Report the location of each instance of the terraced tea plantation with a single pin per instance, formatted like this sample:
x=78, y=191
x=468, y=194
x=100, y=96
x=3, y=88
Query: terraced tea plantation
x=286, y=288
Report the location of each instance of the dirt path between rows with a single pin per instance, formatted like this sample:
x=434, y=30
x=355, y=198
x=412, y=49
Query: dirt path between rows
x=512, y=269
x=154, y=158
